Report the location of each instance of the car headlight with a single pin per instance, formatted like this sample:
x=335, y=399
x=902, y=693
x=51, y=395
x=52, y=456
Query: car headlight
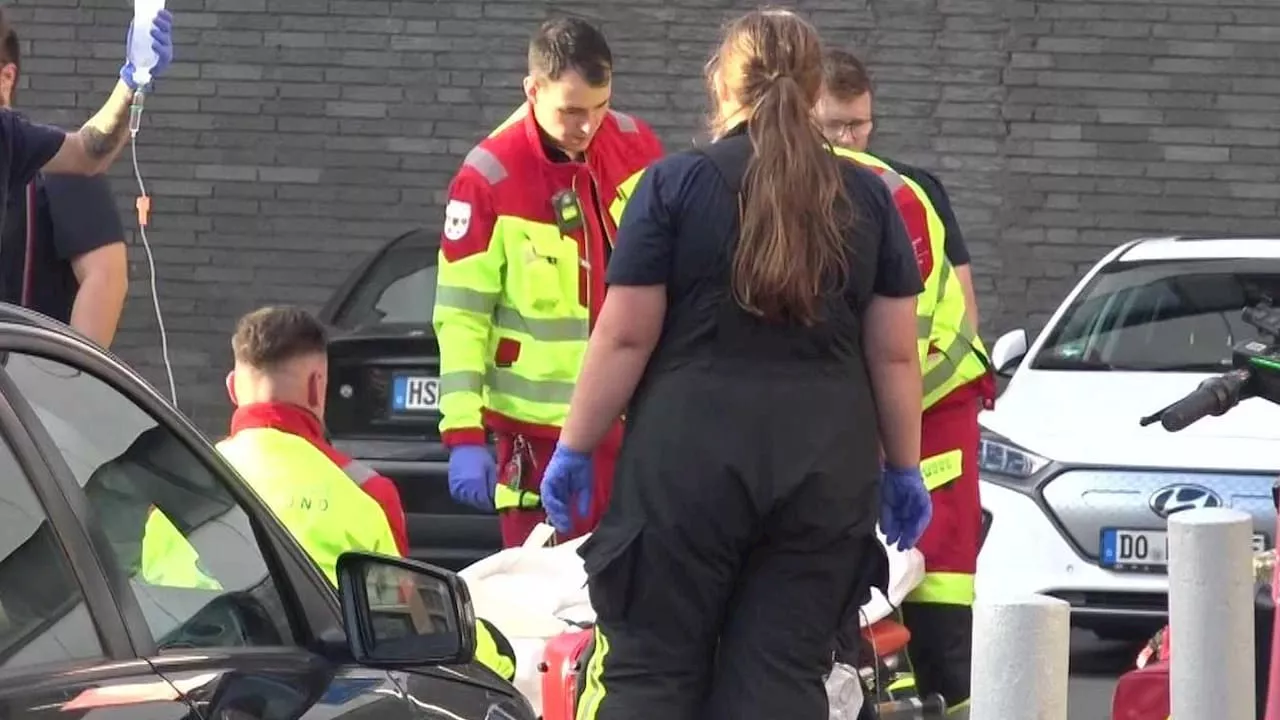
x=998, y=456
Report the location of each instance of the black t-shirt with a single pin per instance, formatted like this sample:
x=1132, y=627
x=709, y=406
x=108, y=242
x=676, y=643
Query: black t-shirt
x=957, y=251
x=27, y=148
x=74, y=216
x=680, y=228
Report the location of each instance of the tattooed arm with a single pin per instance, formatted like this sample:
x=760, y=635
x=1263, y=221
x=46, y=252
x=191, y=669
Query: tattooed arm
x=93, y=148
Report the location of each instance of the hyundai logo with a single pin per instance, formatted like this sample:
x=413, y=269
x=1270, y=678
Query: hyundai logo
x=1176, y=498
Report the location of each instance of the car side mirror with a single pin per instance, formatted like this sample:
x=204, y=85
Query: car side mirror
x=400, y=612
x=1008, y=352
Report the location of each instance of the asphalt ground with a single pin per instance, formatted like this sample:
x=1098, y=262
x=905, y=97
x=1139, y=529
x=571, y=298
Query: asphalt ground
x=1095, y=667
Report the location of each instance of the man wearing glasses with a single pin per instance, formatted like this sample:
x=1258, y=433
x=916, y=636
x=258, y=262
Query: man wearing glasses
x=957, y=383
x=844, y=110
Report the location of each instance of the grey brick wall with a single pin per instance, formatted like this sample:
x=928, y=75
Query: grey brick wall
x=294, y=136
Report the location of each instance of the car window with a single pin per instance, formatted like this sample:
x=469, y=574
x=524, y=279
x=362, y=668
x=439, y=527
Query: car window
x=170, y=521
x=399, y=288
x=1160, y=316
x=43, y=616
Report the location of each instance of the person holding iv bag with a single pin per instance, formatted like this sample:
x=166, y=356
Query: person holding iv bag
x=29, y=148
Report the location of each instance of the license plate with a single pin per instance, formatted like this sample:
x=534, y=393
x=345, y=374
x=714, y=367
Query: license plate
x=415, y=393
x=1146, y=550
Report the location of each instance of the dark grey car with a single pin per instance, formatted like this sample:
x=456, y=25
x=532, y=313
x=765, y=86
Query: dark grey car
x=90, y=454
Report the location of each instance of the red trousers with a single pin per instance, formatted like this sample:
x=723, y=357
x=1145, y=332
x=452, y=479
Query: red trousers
x=950, y=543
x=516, y=524
x=1273, y=667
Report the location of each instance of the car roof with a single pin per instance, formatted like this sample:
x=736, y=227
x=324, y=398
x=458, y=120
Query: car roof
x=1200, y=247
x=21, y=316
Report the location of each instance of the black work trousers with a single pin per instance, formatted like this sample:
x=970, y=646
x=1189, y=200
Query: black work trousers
x=940, y=649
x=722, y=571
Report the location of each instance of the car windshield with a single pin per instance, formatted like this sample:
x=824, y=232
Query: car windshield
x=398, y=288
x=1167, y=315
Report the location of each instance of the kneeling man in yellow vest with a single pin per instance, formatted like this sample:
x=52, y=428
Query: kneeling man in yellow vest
x=281, y=363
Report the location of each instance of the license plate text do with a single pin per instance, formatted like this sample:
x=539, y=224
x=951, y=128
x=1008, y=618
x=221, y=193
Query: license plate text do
x=1144, y=550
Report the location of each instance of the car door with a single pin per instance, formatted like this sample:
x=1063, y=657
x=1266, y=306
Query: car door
x=65, y=651
x=244, y=646
x=265, y=641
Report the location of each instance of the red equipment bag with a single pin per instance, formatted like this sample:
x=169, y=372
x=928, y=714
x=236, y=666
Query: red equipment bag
x=563, y=662
x=1142, y=694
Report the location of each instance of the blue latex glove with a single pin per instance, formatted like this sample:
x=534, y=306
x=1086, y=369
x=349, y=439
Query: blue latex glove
x=568, y=477
x=473, y=474
x=161, y=42
x=905, y=506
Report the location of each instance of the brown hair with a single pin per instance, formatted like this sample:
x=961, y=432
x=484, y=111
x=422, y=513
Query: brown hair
x=565, y=44
x=794, y=208
x=844, y=75
x=10, y=50
x=271, y=336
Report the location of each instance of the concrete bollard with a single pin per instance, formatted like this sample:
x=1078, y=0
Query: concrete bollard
x=1211, y=614
x=1021, y=657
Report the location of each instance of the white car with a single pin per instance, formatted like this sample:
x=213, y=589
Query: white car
x=1078, y=492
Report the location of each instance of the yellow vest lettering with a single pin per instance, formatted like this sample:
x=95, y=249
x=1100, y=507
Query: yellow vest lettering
x=312, y=497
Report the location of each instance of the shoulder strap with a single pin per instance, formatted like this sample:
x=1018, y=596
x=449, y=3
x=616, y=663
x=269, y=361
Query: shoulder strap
x=729, y=160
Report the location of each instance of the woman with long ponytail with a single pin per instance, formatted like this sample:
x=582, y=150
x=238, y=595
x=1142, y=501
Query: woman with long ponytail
x=759, y=336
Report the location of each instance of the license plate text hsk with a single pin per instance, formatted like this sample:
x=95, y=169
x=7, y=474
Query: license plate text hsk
x=415, y=393
x=1144, y=549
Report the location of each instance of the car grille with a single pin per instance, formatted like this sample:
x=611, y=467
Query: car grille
x=1085, y=501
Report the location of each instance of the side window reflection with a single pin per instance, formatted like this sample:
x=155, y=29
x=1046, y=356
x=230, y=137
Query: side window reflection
x=169, y=520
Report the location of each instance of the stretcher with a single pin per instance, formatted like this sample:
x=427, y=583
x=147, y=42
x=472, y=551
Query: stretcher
x=536, y=595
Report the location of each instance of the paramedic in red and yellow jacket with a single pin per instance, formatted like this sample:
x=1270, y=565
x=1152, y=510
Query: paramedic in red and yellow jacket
x=957, y=384
x=528, y=231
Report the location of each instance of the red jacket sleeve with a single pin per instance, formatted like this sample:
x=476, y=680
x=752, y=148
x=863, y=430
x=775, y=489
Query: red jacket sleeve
x=384, y=491
x=651, y=143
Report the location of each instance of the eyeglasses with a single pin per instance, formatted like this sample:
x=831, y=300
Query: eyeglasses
x=848, y=128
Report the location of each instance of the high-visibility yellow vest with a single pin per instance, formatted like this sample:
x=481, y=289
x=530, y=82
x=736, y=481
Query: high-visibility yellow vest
x=957, y=355
x=919, y=216
x=951, y=353
x=168, y=560
x=319, y=504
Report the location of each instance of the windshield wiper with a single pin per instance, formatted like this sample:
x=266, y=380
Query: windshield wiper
x=1202, y=367
x=1065, y=363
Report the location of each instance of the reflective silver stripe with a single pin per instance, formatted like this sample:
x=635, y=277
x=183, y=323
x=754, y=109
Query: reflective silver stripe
x=891, y=178
x=359, y=472
x=626, y=123
x=485, y=163
x=506, y=382
x=951, y=357
x=459, y=298
x=539, y=391
x=465, y=381
x=924, y=326
x=550, y=330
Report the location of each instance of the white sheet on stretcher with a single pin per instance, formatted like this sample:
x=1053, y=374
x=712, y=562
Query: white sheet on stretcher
x=533, y=593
